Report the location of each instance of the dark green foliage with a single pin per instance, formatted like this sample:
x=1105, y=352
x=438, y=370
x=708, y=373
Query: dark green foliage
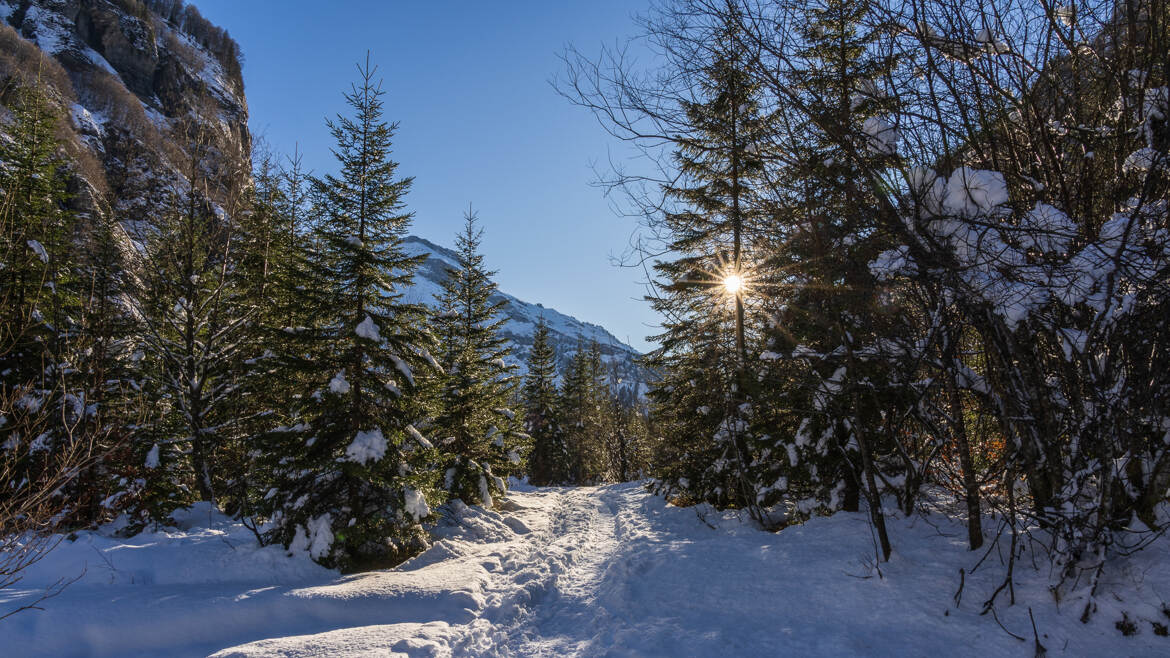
x=43, y=356
x=831, y=403
x=194, y=316
x=583, y=402
x=477, y=428
x=350, y=474
x=548, y=463
x=705, y=404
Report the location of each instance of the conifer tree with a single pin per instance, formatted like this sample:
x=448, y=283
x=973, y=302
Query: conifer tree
x=195, y=320
x=349, y=470
x=712, y=328
x=828, y=231
x=271, y=259
x=49, y=421
x=548, y=461
x=478, y=428
x=582, y=413
x=37, y=283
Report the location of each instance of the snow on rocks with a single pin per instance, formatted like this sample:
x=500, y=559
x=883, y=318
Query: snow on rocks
x=367, y=446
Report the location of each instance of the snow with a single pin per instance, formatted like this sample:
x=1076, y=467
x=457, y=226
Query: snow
x=403, y=368
x=367, y=446
x=1142, y=160
x=152, y=457
x=368, y=329
x=569, y=571
x=973, y=192
x=521, y=317
x=339, y=384
x=416, y=504
x=39, y=250
x=316, y=538
x=881, y=136
x=418, y=437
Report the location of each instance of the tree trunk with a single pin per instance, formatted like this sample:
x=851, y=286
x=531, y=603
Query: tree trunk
x=970, y=481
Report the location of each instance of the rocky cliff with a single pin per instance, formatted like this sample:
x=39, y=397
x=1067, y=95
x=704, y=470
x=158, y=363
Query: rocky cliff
x=138, y=83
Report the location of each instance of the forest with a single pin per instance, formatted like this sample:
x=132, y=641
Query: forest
x=910, y=258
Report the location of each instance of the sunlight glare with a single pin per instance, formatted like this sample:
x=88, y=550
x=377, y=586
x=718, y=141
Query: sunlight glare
x=733, y=283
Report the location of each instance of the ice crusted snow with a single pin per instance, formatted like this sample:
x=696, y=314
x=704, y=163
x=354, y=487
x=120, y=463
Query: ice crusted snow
x=367, y=446
x=571, y=572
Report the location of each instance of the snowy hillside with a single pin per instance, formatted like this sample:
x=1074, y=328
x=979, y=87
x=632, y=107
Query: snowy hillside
x=573, y=572
x=522, y=318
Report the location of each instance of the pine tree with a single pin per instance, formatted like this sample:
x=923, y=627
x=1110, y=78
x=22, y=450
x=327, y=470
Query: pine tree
x=582, y=411
x=479, y=430
x=37, y=283
x=109, y=374
x=349, y=471
x=548, y=461
x=49, y=423
x=195, y=321
x=833, y=401
x=712, y=328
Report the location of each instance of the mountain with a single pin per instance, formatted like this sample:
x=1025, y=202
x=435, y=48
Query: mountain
x=565, y=332
x=136, y=83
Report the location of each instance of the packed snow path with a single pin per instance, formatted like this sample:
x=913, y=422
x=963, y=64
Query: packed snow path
x=562, y=572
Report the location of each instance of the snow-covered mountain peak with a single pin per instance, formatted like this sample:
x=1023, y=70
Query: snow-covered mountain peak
x=565, y=331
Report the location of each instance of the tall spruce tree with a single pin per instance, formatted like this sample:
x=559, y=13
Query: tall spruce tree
x=840, y=404
x=712, y=328
x=50, y=421
x=548, y=463
x=582, y=412
x=479, y=430
x=350, y=473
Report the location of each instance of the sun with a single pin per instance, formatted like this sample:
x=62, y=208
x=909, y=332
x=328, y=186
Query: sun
x=733, y=284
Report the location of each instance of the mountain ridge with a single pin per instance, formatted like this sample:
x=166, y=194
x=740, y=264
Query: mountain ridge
x=566, y=332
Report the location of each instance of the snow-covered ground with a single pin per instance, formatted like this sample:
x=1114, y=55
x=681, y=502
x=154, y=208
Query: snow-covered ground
x=574, y=571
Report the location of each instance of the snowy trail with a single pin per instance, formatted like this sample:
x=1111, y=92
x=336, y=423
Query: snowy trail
x=602, y=571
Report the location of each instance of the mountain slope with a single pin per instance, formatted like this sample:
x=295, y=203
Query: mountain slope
x=565, y=331
x=138, y=85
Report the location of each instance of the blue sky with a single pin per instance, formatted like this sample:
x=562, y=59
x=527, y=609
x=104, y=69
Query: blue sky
x=479, y=122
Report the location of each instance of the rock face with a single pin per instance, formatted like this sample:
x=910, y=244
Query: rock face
x=137, y=90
